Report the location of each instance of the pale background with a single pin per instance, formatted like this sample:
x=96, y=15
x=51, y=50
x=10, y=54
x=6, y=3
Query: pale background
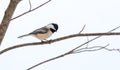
x=71, y=16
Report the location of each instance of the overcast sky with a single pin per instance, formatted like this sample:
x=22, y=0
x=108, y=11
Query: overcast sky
x=71, y=16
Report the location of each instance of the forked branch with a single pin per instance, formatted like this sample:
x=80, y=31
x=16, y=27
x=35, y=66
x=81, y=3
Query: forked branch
x=86, y=49
x=8, y=15
x=30, y=10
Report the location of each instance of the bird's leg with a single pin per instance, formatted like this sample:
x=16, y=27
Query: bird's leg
x=50, y=41
x=42, y=41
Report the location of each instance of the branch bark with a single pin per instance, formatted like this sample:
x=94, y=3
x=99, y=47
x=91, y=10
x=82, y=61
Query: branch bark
x=7, y=17
x=58, y=39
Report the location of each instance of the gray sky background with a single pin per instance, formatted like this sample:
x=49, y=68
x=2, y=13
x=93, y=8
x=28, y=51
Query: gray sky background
x=71, y=16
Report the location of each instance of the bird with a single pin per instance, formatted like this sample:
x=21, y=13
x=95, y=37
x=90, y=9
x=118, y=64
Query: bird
x=44, y=32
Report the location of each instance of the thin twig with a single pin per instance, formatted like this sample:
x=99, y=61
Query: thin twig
x=30, y=5
x=112, y=49
x=94, y=48
x=86, y=49
x=87, y=40
x=82, y=29
x=31, y=10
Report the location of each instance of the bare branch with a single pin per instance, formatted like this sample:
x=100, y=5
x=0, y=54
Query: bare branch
x=99, y=35
x=69, y=52
x=59, y=39
x=94, y=48
x=62, y=38
x=30, y=5
x=7, y=17
x=76, y=50
x=31, y=10
x=49, y=60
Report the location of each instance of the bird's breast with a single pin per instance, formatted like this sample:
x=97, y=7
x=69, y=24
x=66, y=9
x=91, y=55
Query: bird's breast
x=43, y=36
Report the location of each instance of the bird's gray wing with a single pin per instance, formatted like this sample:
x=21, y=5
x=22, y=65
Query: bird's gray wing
x=40, y=30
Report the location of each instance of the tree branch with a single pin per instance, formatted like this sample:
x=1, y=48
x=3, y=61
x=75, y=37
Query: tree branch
x=89, y=49
x=31, y=9
x=30, y=5
x=77, y=50
x=7, y=17
x=62, y=38
x=50, y=60
x=58, y=39
x=74, y=50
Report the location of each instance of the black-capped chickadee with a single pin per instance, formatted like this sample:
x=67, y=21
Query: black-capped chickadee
x=44, y=32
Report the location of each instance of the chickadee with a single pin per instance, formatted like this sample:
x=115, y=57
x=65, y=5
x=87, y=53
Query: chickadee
x=44, y=32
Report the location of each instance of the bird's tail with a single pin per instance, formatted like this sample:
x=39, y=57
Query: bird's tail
x=24, y=35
